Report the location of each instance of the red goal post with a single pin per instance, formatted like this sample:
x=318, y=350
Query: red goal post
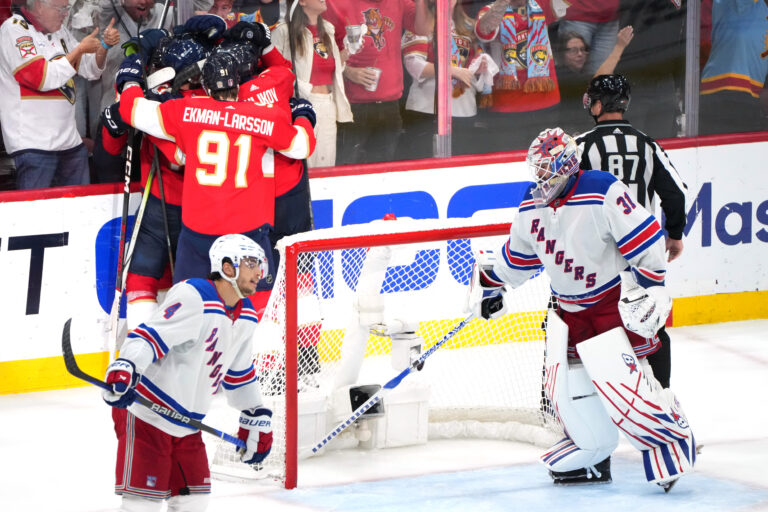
x=427, y=277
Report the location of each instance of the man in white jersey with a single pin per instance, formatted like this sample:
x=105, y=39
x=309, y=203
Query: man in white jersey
x=197, y=343
x=604, y=254
x=38, y=59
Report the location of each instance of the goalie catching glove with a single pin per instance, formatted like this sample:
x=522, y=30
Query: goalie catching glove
x=122, y=376
x=643, y=310
x=486, y=290
x=256, y=431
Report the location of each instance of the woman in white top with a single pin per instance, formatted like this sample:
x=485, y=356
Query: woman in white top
x=318, y=66
x=418, y=55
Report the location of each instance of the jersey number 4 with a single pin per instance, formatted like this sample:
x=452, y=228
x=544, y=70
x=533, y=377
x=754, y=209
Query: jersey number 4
x=213, y=149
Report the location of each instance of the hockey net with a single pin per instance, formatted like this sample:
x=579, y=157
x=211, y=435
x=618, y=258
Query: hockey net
x=485, y=382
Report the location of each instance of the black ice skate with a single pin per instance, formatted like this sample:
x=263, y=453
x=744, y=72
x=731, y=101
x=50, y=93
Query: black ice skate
x=600, y=473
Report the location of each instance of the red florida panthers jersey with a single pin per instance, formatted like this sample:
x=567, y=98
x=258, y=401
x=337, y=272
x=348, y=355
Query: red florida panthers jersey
x=229, y=146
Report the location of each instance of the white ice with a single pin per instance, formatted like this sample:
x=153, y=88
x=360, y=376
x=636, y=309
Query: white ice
x=58, y=447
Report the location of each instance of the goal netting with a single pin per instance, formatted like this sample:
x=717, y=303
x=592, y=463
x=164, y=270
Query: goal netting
x=317, y=354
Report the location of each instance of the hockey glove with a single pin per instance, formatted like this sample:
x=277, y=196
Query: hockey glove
x=255, y=34
x=122, y=376
x=302, y=108
x=131, y=70
x=145, y=44
x=643, y=310
x=206, y=27
x=486, y=289
x=256, y=431
x=112, y=121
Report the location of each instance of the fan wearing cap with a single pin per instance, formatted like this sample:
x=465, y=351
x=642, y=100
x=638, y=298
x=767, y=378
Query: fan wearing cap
x=196, y=344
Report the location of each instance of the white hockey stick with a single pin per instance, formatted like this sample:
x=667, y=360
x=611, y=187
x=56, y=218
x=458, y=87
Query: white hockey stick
x=381, y=393
x=124, y=263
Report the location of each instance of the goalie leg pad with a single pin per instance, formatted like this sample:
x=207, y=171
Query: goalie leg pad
x=590, y=435
x=648, y=415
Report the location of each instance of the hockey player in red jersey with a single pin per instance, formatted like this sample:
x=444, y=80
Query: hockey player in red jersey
x=229, y=148
x=274, y=87
x=604, y=254
x=197, y=343
x=150, y=270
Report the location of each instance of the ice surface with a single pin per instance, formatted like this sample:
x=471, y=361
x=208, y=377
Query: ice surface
x=58, y=448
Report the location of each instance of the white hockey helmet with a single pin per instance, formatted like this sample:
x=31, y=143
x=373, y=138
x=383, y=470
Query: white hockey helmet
x=238, y=249
x=552, y=158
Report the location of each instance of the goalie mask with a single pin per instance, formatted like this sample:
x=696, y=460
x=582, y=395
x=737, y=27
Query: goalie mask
x=237, y=250
x=552, y=158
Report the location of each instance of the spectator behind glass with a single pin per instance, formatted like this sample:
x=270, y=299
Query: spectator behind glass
x=270, y=12
x=525, y=90
x=733, y=80
x=597, y=22
x=132, y=17
x=38, y=60
x=373, y=76
x=573, y=78
x=318, y=67
x=419, y=119
x=655, y=63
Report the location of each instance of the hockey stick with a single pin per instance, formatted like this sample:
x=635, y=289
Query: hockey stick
x=72, y=368
x=393, y=383
x=156, y=162
x=114, y=312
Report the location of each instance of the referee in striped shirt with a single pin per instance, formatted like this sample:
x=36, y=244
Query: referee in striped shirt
x=636, y=159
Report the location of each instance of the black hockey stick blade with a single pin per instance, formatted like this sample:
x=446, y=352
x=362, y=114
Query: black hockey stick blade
x=71, y=363
x=72, y=368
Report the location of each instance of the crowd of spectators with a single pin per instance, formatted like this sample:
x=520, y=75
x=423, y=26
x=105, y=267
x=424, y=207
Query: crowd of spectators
x=369, y=68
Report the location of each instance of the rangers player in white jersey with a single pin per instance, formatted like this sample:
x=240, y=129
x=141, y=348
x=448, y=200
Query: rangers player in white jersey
x=604, y=254
x=197, y=343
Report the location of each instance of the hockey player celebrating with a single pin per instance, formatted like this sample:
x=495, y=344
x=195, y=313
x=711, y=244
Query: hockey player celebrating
x=604, y=254
x=197, y=342
x=229, y=145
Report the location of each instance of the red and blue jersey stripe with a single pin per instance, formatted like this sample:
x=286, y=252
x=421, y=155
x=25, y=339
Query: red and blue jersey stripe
x=592, y=297
x=151, y=336
x=151, y=392
x=640, y=238
x=237, y=379
x=647, y=277
x=519, y=261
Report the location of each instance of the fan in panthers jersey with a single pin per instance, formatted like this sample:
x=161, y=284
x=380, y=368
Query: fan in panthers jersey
x=604, y=254
x=229, y=179
x=197, y=342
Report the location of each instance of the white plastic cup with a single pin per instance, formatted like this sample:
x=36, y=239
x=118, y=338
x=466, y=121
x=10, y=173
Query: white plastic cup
x=354, y=38
x=376, y=81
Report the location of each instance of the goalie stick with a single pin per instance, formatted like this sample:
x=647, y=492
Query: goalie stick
x=393, y=383
x=74, y=369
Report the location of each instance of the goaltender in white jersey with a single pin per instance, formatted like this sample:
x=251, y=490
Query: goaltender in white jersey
x=198, y=342
x=604, y=254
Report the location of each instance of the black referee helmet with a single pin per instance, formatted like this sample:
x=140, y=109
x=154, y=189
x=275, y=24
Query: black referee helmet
x=612, y=91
